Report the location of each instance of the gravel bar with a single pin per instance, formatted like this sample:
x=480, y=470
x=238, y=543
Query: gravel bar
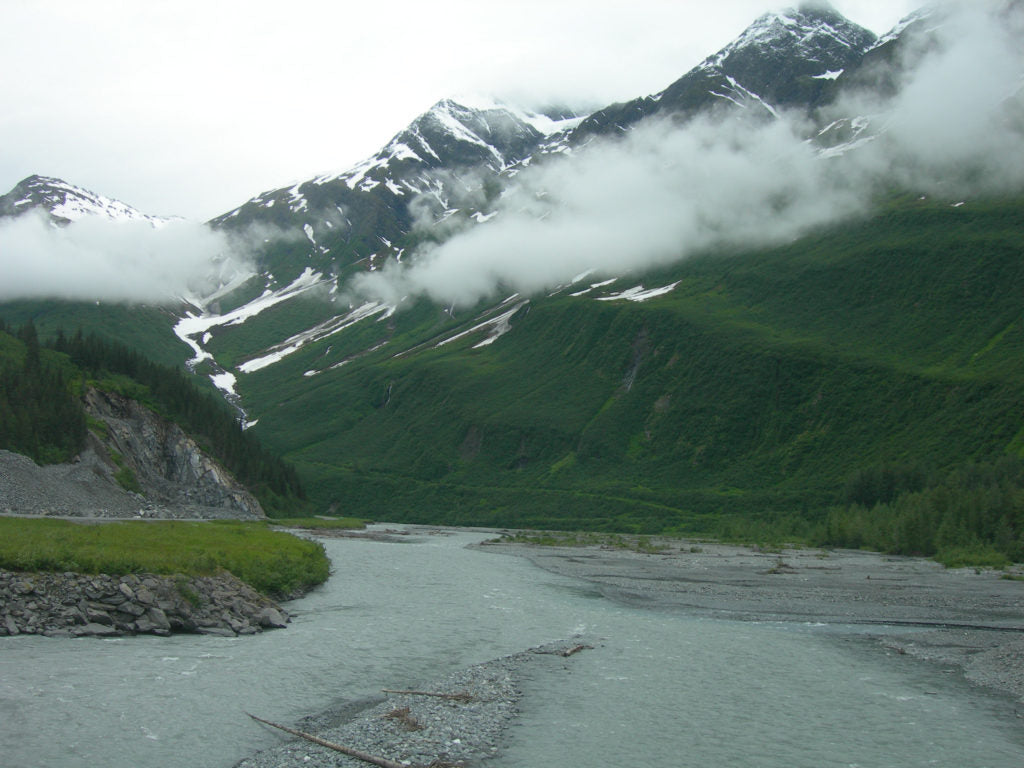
x=966, y=618
x=462, y=727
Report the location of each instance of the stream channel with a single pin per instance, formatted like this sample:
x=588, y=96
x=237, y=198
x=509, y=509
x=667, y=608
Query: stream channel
x=659, y=688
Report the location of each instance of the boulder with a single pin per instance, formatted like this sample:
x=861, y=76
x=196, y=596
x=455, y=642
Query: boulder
x=271, y=618
x=94, y=630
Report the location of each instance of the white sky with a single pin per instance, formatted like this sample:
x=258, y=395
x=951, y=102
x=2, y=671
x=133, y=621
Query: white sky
x=190, y=107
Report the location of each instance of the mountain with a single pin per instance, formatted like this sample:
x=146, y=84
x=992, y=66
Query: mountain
x=741, y=390
x=782, y=60
x=64, y=203
x=441, y=162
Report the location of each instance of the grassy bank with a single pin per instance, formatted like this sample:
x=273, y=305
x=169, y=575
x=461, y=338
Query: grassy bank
x=272, y=562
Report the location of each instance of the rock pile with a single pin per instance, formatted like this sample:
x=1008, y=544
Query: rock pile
x=76, y=605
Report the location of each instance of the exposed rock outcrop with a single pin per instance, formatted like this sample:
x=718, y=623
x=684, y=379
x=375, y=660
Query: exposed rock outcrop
x=77, y=605
x=168, y=464
x=175, y=478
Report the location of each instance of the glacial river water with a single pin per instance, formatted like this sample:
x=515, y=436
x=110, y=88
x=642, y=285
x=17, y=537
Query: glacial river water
x=661, y=688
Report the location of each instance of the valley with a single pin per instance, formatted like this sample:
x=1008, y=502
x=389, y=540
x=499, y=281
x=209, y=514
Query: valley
x=721, y=385
x=708, y=311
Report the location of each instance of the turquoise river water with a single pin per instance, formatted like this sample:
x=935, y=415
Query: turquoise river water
x=661, y=688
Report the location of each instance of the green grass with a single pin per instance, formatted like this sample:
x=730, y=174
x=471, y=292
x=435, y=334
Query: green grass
x=272, y=562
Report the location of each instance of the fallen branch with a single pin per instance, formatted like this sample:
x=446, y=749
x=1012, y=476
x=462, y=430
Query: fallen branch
x=566, y=652
x=383, y=762
x=460, y=696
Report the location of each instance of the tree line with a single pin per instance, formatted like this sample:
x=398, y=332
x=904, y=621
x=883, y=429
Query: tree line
x=39, y=415
x=976, y=508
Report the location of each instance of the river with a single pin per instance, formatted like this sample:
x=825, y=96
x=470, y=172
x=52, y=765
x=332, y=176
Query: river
x=661, y=688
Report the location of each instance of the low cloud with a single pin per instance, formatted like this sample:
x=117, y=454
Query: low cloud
x=102, y=260
x=957, y=124
x=664, y=192
x=652, y=198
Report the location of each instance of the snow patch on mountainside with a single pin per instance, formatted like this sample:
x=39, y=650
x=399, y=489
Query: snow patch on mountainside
x=593, y=287
x=197, y=325
x=496, y=326
x=319, y=332
x=639, y=293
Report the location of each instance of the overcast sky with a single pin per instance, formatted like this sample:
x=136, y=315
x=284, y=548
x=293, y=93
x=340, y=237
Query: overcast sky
x=190, y=107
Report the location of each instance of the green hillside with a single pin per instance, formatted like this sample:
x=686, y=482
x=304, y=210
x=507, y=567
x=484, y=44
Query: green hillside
x=756, y=389
x=147, y=329
x=860, y=386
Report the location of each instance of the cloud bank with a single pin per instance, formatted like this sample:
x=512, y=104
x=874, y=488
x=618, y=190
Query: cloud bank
x=665, y=192
x=103, y=260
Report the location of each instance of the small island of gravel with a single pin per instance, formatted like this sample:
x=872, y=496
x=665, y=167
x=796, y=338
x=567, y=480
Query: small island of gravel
x=456, y=720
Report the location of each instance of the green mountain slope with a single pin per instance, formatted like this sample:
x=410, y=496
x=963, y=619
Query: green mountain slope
x=759, y=385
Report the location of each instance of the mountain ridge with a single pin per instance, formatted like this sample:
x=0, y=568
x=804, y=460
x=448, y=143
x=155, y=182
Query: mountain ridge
x=65, y=203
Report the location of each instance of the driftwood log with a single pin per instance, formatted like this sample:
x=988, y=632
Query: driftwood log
x=383, y=762
x=566, y=652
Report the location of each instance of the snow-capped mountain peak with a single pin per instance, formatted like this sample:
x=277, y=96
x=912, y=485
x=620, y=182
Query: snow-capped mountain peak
x=65, y=203
x=544, y=122
x=337, y=212
x=467, y=130
x=813, y=31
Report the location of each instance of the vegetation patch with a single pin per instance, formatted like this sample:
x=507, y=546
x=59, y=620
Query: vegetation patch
x=125, y=475
x=272, y=562
x=644, y=544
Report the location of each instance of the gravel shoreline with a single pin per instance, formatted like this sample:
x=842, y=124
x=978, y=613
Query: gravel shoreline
x=418, y=730
x=970, y=619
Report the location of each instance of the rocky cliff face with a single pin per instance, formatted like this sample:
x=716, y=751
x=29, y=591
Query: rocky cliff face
x=136, y=464
x=170, y=468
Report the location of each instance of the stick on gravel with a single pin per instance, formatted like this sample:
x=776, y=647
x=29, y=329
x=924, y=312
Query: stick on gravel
x=381, y=761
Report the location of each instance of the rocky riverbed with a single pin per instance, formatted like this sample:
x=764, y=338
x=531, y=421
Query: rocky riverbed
x=76, y=605
x=462, y=723
x=971, y=620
